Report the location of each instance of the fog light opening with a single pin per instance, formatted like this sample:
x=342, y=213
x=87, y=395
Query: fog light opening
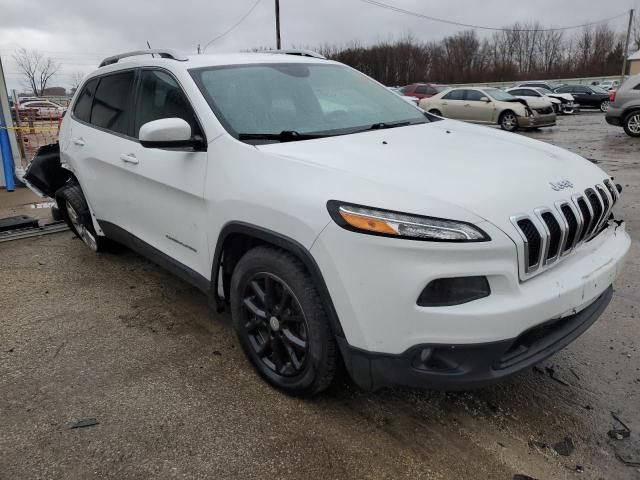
x=445, y=292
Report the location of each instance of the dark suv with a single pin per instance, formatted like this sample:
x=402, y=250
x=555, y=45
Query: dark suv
x=624, y=109
x=587, y=96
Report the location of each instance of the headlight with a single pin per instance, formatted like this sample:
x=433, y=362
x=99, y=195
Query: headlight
x=377, y=221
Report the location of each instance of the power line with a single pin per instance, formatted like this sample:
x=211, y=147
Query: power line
x=386, y=6
x=233, y=26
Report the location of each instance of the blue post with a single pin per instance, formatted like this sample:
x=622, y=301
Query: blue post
x=7, y=157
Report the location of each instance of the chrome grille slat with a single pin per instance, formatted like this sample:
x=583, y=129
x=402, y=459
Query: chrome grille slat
x=550, y=233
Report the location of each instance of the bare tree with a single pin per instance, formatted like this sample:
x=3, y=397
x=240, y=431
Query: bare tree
x=76, y=79
x=36, y=69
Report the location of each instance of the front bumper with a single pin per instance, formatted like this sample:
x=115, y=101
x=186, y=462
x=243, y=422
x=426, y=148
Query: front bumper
x=535, y=121
x=460, y=367
x=570, y=108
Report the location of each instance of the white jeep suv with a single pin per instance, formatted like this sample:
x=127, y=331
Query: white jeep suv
x=340, y=223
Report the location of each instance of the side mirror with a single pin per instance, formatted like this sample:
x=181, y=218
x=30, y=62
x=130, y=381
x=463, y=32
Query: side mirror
x=169, y=133
x=485, y=99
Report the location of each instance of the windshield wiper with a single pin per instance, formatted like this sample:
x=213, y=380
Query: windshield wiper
x=382, y=125
x=284, y=136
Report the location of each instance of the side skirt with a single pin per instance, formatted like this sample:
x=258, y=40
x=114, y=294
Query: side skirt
x=187, y=274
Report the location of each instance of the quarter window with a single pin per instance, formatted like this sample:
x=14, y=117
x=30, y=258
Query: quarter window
x=162, y=97
x=82, y=109
x=111, y=105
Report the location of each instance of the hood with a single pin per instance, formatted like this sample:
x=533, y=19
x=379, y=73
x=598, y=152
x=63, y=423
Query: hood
x=487, y=172
x=566, y=96
x=536, y=102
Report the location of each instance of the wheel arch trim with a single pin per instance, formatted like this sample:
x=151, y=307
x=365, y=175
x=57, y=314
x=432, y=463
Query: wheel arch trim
x=281, y=241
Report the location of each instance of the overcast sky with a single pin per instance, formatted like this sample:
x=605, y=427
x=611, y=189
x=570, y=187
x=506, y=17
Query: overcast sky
x=79, y=33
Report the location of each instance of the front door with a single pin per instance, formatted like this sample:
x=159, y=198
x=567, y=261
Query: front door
x=168, y=199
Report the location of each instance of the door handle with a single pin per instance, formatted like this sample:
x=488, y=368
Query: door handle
x=78, y=141
x=129, y=158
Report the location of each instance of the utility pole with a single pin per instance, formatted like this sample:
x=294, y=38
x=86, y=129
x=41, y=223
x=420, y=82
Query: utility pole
x=626, y=48
x=278, y=24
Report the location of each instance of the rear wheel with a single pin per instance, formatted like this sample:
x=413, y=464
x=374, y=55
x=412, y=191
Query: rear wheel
x=631, y=124
x=508, y=121
x=604, y=106
x=75, y=212
x=281, y=323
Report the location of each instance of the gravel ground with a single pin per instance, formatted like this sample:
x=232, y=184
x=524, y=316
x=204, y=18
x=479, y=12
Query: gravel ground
x=116, y=341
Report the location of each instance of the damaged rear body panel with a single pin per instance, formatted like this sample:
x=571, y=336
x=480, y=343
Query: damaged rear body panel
x=45, y=174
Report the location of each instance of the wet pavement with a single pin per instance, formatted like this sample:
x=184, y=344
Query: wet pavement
x=164, y=391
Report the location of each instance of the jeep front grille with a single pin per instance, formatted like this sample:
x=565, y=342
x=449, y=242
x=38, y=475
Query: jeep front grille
x=550, y=233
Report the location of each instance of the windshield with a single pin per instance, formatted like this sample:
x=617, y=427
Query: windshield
x=598, y=89
x=499, y=95
x=440, y=88
x=306, y=99
x=544, y=91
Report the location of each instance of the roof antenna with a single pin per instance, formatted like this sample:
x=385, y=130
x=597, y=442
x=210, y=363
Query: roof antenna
x=149, y=45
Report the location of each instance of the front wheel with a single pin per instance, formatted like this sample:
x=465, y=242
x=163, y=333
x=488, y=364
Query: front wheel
x=435, y=111
x=604, y=106
x=508, y=121
x=281, y=324
x=631, y=124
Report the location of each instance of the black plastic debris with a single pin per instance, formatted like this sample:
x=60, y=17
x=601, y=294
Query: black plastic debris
x=552, y=373
x=85, y=422
x=17, y=222
x=520, y=476
x=619, y=434
x=564, y=447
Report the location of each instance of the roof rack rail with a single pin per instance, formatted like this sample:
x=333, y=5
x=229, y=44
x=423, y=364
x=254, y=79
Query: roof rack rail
x=297, y=51
x=162, y=52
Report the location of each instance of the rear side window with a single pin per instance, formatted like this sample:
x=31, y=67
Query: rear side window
x=162, y=97
x=82, y=110
x=112, y=106
x=454, y=95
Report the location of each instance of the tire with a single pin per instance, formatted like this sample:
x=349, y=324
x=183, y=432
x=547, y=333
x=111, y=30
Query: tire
x=435, y=111
x=508, y=121
x=604, y=106
x=75, y=212
x=280, y=322
x=631, y=124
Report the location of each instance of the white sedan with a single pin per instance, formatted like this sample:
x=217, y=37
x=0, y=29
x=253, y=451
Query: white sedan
x=563, y=103
x=44, y=109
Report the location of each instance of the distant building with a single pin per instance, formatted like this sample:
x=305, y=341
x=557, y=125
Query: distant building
x=54, y=92
x=634, y=63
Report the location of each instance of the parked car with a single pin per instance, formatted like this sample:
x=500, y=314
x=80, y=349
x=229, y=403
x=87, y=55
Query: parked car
x=398, y=91
x=491, y=106
x=609, y=84
x=563, y=103
x=587, y=96
x=624, y=107
x=44, y=109
x=540, y=84
x=410, y=249
x=422, y=90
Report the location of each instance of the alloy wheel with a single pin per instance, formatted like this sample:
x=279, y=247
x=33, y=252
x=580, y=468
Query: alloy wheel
x=275, y=325
x=509, y=121
x=604, y=106
x=85, y=235
x=633, y=124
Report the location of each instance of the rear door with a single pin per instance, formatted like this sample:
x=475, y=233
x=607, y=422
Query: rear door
x=167, y=194
x=100, y=131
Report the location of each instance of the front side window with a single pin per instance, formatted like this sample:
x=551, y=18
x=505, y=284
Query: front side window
x=111, y=105
x=474, y=95
x=162, y=97
x=310, y=99
x=82, y=109
x=421, y=89
x=454, y=95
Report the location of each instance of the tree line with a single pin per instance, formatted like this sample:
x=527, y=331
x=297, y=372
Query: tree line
x=521, y=52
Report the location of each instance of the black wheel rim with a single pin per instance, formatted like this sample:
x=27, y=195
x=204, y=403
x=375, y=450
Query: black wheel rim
x=275, y=325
